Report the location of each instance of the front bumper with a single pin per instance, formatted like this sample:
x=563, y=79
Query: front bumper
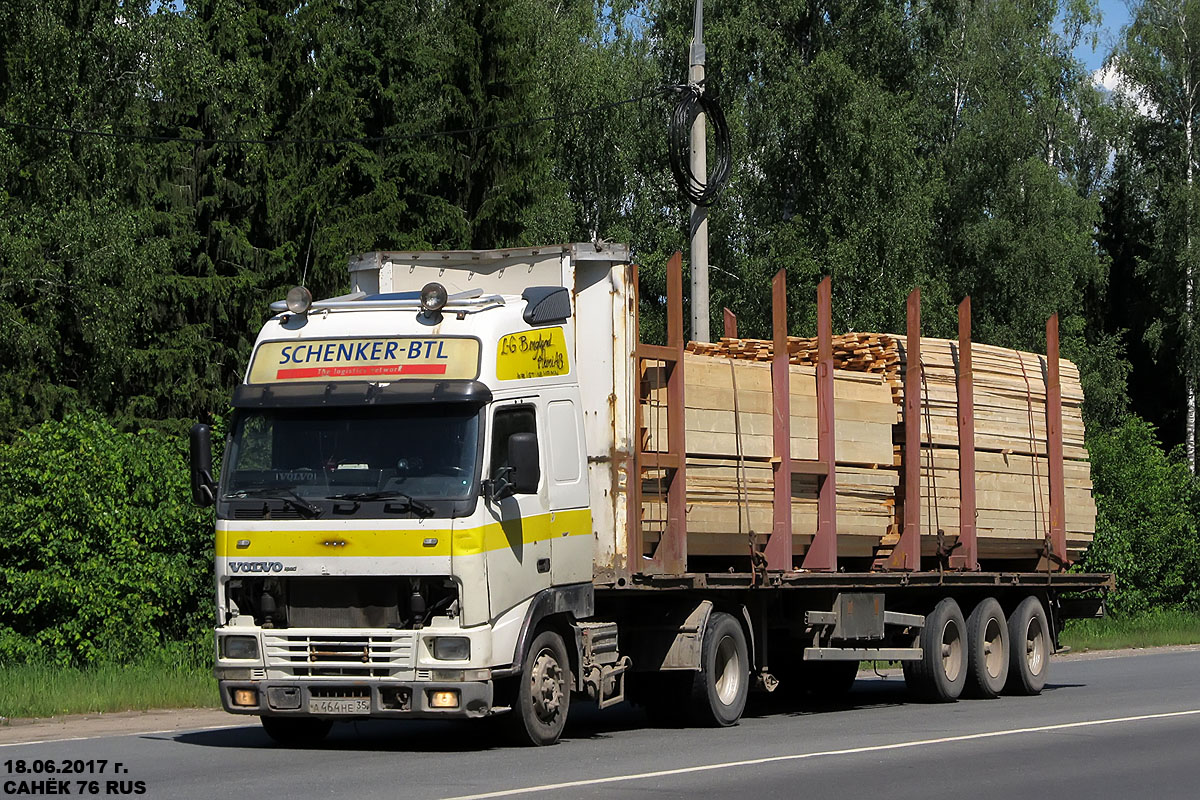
x=388, y=699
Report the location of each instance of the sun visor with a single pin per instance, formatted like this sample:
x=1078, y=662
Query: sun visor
x=357, y=393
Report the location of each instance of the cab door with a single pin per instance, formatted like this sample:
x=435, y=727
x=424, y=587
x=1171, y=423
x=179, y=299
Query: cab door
x=517, y=527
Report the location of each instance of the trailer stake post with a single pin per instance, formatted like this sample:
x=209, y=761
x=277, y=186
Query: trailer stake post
x=1056, y=546
x=906, y=555
x=822, y=553
x=779, y=546
x=730, y=324
x=967, y=556
x=670, y=555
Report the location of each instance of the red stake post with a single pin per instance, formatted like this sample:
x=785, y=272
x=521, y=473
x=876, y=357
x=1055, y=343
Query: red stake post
x=670, y=556
x=906, y=555
x=822, y=553
x=779, y=545
x=1056, y=557
x=966, y=555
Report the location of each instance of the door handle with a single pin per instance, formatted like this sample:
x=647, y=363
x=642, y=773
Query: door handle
x=543, y=565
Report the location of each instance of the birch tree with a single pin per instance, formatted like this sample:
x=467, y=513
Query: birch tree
x=1159, y=62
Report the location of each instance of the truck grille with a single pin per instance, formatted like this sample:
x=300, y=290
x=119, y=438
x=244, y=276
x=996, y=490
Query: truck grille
x=344, y=602
x=325, y=655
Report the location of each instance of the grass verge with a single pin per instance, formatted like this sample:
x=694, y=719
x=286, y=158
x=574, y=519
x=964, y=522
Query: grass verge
x=43, y=691
x=1156, y=629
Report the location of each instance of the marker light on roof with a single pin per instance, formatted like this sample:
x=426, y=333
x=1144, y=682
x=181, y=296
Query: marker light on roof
x=433, y=297
x=298, y=299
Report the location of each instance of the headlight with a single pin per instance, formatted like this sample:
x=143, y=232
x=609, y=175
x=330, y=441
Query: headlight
x=239, y=647
x=452, y=648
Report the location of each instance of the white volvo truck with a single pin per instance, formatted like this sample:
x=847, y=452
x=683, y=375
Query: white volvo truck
x=423, y=512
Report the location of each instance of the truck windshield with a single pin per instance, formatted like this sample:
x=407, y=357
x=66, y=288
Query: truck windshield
x=369, y=461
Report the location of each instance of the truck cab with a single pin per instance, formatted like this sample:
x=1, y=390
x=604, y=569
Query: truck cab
x=406, y=492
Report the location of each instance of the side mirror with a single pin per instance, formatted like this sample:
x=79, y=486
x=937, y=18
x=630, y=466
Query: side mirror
x=200, y=456
x=523, y=455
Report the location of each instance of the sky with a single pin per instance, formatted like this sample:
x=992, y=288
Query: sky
x=1114, y=14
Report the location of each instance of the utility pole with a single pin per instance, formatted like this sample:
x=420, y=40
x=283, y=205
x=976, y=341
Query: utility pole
x=699, y=166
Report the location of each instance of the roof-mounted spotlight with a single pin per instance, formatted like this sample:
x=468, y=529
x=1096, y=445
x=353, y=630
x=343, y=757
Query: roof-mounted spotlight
x=433, y=298
x=298, y=300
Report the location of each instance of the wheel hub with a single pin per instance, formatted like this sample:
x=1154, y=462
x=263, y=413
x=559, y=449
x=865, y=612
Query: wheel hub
x=546, y=680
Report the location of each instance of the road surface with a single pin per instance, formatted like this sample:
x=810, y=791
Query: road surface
x=1109, y=727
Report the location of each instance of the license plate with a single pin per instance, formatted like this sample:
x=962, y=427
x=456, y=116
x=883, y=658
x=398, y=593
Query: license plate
x=353, y=705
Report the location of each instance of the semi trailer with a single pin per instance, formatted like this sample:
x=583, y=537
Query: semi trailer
x=462, y=491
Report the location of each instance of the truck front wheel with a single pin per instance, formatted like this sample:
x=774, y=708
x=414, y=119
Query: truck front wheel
x=544, y=692
x=719, y=689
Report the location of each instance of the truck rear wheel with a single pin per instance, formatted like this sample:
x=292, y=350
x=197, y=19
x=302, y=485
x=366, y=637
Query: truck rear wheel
x=987, y=643
x=1029, y=647
x=720, y=688
x=543, y=693
x=941, y=673
x=296, y=731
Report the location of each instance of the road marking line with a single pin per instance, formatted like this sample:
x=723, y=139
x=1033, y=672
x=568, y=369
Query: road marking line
x=118, y=735
x=801, y=756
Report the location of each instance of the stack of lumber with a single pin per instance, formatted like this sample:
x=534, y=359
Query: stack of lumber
x=729, y=475
x=854, y=352
x=729, y=493
x=1011, y=467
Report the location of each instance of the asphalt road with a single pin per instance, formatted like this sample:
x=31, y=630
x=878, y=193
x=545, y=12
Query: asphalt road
x=1124, y=727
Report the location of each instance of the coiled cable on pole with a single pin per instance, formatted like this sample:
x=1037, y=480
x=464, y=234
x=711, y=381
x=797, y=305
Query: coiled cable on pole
x=701, y=190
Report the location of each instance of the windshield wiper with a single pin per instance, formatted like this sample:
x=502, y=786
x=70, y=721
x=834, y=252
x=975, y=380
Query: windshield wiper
x=288, y=496
x=410, y=502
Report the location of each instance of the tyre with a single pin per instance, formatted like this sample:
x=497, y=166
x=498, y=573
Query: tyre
x=1029, y=647
x=987, y=650
x=543, y=692
x=296, y=731
x=941, y=674
x=720, y=688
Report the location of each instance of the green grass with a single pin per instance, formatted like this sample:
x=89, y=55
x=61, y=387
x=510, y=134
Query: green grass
x=1155, y=629
x=43, y=691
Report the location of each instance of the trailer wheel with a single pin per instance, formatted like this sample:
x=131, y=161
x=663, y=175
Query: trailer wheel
x=987, y=643
x=941, y=673
x=543, y=693
x=719, y=689
x=1029, y=640
x=296, y=731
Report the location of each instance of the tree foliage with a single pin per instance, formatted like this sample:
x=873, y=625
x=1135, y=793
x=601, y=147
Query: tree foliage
x=102, y=556
x=955, y=145
x=1146, y=528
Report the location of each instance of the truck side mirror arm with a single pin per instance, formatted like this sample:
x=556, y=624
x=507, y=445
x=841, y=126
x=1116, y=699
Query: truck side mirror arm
x=499, y=486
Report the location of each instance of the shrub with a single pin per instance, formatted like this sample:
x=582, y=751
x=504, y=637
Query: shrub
x=102, y=555
x=1146, y=532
